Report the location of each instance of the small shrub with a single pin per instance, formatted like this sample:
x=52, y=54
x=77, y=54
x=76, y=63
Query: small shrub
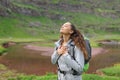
x=2, y=50
x=2, y=67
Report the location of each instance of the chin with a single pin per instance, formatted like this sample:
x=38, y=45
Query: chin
x=61, y=31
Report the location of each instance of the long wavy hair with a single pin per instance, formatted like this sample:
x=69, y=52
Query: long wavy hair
x=78, y=39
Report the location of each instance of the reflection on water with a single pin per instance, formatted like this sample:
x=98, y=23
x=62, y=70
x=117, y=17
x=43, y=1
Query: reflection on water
x=32, y=62
x=109, y=58
x=28, y=61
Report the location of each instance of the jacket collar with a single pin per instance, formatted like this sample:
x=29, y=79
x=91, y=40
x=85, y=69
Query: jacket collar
x=69, y=43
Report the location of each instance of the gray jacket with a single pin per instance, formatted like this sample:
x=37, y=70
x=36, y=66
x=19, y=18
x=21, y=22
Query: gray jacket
x=67, y=63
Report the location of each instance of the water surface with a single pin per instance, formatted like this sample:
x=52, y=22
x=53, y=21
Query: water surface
x=28, y=61
x=32, y=62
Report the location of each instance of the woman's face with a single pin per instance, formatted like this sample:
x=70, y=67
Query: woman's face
x=66, y=28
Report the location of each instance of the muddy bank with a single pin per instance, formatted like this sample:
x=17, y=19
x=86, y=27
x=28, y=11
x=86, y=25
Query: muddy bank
x=47, y=51
x=109, y=43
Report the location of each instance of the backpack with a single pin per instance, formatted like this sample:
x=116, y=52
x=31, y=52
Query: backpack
x=88, y=48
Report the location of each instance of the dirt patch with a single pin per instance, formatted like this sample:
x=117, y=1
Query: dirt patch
x=47, y=51
x=96, y=51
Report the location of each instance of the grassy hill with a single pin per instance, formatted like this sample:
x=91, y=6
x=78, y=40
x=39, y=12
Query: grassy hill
x=43, y=18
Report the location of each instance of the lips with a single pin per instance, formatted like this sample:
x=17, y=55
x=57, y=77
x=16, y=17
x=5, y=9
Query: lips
x=61, y=30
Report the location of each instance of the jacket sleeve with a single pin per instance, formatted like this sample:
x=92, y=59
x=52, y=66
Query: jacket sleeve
x=76, y=64
x=55, y=56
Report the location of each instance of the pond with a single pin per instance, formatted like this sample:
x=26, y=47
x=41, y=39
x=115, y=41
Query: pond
x=27, y=61
x=31, y=61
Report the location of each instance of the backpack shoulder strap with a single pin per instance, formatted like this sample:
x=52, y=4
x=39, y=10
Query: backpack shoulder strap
x=88, y=48
x=73, y=52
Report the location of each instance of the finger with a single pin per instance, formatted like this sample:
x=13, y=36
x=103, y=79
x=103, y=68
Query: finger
x=65, y=48
x=60, y=47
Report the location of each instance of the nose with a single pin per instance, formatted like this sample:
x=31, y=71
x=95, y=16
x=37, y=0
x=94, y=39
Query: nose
x=62, y=27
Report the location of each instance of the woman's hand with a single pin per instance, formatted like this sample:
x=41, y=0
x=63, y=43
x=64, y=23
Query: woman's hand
x=62, y=50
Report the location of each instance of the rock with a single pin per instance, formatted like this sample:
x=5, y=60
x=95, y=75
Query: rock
x=100, y=73
x=35, y=24
x=109, y=44
x=4, y=8
x=42, y=8
x=8, y=44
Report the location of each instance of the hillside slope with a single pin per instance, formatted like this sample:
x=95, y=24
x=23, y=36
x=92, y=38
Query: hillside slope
x=36, y=18
x=106, y=8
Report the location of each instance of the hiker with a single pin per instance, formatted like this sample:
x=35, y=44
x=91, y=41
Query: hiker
x=69, y=68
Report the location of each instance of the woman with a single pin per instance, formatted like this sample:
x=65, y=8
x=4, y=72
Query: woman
x=69, y=68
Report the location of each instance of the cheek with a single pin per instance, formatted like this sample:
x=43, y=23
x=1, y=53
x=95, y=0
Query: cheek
x=67, y=31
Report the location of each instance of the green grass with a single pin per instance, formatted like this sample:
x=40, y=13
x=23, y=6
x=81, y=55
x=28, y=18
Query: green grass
x=11, y=28
x=5, y=73
x=19, y=25
x=33, y=77
x=25, y=6
x=2, y=40
x=98, y=77
x=109, y=73
x=112, y=71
